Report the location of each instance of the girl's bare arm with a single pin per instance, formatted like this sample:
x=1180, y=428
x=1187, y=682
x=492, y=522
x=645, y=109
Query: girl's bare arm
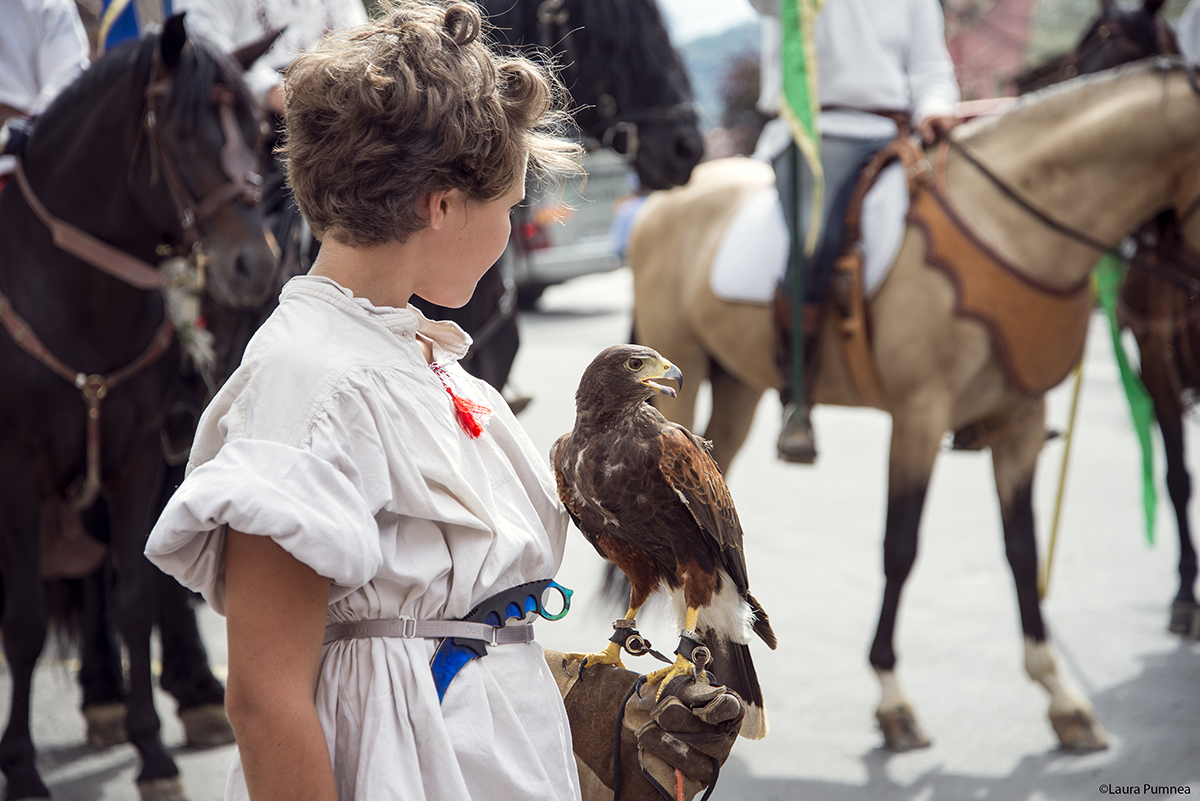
x=275, y=610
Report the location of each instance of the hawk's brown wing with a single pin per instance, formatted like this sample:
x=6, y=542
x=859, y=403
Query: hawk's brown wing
x=691, y=472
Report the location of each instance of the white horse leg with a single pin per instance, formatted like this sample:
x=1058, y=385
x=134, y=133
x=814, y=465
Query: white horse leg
x=1070, y=712
x=917, y=428
x=1014, y=459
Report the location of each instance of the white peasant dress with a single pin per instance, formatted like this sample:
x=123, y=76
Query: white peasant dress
x=338, y=440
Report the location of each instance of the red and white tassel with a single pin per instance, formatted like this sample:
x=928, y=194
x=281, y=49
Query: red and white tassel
x=468, y=413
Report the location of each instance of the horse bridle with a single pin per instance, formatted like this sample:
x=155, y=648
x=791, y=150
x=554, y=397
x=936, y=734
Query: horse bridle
x=1184, y=279
x=238, y=163
x=556, y=35
x=1105, y=30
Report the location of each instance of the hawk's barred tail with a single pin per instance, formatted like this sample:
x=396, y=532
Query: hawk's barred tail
x=762, y=623
x=731, y=665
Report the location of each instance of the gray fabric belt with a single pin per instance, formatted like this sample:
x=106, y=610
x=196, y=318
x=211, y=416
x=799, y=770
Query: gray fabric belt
x=409, y=628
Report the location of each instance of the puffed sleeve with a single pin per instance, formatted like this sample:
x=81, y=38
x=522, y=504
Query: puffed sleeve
x=317, y=499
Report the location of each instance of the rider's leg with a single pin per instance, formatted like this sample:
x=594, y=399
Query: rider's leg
x=842, y=159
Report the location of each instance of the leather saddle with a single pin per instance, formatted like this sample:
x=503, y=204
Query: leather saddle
x=846, y=304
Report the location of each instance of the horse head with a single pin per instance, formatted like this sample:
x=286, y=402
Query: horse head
x=628, y=85
x=1116, y=36
x=1120, y=35
x=203, y=131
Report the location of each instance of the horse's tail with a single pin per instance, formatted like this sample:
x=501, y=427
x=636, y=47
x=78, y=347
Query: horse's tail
x=66, y=600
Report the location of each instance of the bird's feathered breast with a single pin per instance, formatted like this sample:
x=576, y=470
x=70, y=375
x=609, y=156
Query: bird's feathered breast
x=650, y=483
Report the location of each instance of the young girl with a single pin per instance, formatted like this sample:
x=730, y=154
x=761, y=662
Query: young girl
x=332, y=475
x=353, y=493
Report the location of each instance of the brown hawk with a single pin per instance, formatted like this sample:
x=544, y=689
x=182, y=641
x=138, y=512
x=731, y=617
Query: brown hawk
x=649, y=498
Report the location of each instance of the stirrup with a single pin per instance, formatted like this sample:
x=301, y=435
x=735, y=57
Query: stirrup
x=796, y=443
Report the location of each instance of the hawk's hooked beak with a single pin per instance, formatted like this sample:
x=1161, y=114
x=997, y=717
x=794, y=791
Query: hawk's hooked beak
x=668, y=371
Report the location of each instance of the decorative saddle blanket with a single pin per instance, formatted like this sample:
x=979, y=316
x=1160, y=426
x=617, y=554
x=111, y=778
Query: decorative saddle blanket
x=751, y=258
x=1038, y=330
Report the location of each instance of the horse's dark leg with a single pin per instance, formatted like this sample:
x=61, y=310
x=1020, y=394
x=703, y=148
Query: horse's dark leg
x=101, y=676
x=185, y=670
x=917, y=428
x=1169, y=411
x=1014, y=459
x=132, y=500
x=24, y=624
x=186, y=674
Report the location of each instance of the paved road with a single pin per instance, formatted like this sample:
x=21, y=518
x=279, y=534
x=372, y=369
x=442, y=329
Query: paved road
x=813, y=549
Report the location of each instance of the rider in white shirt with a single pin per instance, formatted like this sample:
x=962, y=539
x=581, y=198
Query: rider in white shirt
x=876, y=59
x=230, y=24
x=43, y=48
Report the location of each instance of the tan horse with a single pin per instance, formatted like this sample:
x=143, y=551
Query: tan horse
x=1100, y=155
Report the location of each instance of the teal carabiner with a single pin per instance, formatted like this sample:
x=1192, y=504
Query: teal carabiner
x=563, y=592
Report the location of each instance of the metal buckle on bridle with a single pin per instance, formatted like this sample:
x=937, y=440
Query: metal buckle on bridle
x=630, y=129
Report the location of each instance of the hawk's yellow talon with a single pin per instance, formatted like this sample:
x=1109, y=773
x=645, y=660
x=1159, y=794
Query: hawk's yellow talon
x=665, y=676
x=611, y=655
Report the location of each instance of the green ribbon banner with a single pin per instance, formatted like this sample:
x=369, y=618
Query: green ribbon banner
x=1108, y=276
x=800, y=105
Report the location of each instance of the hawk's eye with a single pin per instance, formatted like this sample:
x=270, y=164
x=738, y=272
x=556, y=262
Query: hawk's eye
x=634, y=364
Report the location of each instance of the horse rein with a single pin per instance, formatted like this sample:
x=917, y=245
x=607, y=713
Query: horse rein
x=237, y=160
x=1186, y=281
x=553, y=19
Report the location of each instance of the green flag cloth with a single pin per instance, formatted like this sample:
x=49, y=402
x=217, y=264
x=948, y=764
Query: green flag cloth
x=1109, y=274
x=800, y=105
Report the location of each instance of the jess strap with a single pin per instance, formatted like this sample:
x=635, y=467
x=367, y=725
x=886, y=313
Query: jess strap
x=409, y=628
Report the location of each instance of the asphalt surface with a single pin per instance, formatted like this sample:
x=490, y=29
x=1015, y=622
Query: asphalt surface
x=813, y=538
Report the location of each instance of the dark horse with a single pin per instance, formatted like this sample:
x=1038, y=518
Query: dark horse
x=1116, y=36
x=145, y=155
x=630, y=91
x=1160, y=300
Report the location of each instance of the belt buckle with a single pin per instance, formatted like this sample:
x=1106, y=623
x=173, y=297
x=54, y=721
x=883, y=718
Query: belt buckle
x=408, y=627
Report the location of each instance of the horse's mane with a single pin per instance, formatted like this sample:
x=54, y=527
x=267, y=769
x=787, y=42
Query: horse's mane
x=634, y=46
x=637, y=45
x=1061, y=99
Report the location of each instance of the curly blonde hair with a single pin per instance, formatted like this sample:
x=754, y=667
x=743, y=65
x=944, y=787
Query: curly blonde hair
x=416, y=101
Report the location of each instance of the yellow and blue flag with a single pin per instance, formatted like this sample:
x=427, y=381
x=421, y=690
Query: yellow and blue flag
x=118, y=23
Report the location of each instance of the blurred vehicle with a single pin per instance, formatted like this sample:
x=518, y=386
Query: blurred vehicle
x=560, y=233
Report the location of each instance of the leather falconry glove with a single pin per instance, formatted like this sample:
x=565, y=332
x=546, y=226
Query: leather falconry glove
x=690, y=729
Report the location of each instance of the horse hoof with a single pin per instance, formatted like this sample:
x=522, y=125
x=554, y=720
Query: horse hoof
x=170, y=789
x=1079, y=731
x=1185, y=619
x=206, y=726
x=105, y=725
x=900, y=730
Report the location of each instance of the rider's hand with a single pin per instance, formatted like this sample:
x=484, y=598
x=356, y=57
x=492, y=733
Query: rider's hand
x=691, y=728
x=935, y=127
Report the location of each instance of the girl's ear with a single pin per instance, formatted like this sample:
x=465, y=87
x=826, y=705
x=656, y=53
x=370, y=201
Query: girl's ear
x=439, y=205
